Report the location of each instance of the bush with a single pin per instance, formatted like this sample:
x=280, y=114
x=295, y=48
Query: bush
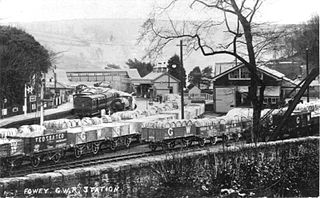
x=286, y=169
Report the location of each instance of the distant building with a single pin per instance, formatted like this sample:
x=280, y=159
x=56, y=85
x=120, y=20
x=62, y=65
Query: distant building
x=120, y=79
x=290, y=69
x=58, y=88
x=197, y=94
x=158, y=82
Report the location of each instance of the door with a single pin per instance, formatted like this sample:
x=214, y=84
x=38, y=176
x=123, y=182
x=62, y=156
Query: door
x=225, y=99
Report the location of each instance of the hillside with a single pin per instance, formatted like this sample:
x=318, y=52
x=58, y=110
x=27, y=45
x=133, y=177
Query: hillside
x=94, y=43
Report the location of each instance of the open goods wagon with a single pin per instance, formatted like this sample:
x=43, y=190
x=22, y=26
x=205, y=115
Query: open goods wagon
x=298, y=124
x=92, y=139
x=167, y=134
x=33, y=149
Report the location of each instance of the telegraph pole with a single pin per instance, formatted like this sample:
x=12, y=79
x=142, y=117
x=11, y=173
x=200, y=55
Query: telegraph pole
x=307, y=71
x=55, y=86
x=181, y=79
x=41, y=100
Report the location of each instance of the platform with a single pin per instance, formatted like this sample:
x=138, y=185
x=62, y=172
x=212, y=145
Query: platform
x=34, y=117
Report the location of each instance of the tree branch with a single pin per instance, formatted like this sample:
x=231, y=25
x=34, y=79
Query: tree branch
x=213, y=6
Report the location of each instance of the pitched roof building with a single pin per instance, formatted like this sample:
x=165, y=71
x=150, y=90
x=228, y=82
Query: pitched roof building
x=231, y=87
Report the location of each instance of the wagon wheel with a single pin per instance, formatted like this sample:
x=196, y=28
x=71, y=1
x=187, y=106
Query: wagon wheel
x=214, y=140
x=201, y=142
x=35, y=161
x=127, y=142
x=77, y=153
x=236, y=137
x=8, y=167
x=164, y=146
x=153, y=147
x=56, y=158
x=13, y=163
x=189, y=143
x=95, y=148
x=171, y=145
x=186, y=143
x=113, y=145
x=225, y=138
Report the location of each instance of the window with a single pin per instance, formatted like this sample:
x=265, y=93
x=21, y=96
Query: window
x=269, y=100
x=74, y=74
x=234, y=74
x=100, y=78
x=242, y=73
x=265, y=101
x=245, y=74
x=260, y=75
x=274, y=101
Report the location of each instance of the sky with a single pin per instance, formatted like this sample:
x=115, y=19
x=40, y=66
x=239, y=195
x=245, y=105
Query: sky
x=275, y=11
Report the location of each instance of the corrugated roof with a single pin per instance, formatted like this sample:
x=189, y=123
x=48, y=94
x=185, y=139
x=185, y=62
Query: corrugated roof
x=62, y=76
x=271, y=71
x=133, y=74
x=276, y=74
x=58, y=85
x=152, y=76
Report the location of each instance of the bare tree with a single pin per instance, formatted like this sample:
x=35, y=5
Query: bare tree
x=243, y=39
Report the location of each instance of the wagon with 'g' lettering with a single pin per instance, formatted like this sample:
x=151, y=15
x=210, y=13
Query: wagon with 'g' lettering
x=167, y=134
x=91, y=139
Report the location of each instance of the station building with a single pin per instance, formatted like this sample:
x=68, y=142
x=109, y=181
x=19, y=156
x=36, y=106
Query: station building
x=157, y=83
x=231, y=87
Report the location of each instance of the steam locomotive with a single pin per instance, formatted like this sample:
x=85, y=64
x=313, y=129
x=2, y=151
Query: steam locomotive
x=87, y=104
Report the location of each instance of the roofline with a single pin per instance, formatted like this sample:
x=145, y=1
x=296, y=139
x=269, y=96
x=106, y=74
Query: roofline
x=92, y=71
x=227, y=71
x=168, y=75
x=237, y=67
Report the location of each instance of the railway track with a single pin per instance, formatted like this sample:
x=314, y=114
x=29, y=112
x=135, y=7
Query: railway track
x=87, y=162
x=103, y=159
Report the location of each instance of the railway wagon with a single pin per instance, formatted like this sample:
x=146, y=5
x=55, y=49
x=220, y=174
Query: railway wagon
x=167, y=134
x=315, y=122
x=298, y=124
x=92, y=139
x=184, y=132
x=34, y=149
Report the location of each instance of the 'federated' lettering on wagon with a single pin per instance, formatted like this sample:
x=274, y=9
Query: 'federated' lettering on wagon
x=47, y=138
